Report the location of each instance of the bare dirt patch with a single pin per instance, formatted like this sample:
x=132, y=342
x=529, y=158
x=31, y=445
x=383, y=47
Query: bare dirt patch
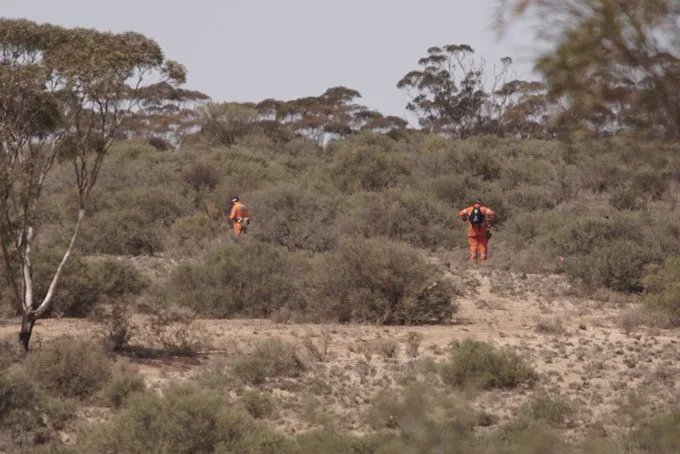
x=577, y=346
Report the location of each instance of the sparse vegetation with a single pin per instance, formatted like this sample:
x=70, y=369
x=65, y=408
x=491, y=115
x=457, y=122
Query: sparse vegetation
x=269, y=359
x=205, y=342
x=480, y=365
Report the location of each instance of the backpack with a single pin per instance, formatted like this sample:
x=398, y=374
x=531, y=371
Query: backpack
x=476, y=217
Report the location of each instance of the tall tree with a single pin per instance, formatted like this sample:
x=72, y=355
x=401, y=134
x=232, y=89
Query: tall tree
x=449, y=93
x=524, y=110
x=64, y=94
x=168, y=113
x=334, y=113
x=611, y=64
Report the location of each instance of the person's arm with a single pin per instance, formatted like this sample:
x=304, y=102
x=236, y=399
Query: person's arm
x=464, y=215
x=489, y=216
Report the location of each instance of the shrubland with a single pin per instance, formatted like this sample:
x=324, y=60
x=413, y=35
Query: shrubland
x=348, y=233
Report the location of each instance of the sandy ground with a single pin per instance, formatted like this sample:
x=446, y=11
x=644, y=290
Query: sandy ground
x=580, y=348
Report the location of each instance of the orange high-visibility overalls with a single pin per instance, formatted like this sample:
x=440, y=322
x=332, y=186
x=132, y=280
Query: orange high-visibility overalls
x=477, y=234
x=239, y=217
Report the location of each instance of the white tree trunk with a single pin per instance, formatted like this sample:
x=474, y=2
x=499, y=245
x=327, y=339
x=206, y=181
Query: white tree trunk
x=30, y=315
x=53, y=285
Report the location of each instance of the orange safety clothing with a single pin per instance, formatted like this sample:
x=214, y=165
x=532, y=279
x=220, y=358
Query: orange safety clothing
x=477, y=234
x=239, y=217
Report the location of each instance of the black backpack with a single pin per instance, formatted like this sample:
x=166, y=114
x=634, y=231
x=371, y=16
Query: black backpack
x=476, y=217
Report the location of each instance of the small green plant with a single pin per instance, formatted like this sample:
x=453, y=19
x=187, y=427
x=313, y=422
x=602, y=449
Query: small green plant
x=662, y=284
x=413, y=341
x=174, y=331
x=480, y=365
x=388, y=349
x=116, y=324
x=269, y=359
x=318, y=352
x=125, y=381
x=555, y=410
x=552, y=326
x=259, y=404
x=187, y=419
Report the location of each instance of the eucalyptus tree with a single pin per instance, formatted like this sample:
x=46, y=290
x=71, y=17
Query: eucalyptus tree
x=610, y=65
x=64, y=94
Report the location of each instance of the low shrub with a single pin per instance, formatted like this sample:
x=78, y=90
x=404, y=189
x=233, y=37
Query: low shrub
x=70, y=367
x=10, y=352
x=383, y=282
x=84, y=283
x=125, y=381
x=329, y=440
x=662, y=290
x=133, y=220
x=172, y=331
x=367, y=164
x=608, y=251
x=411, y=216
x=185, y=419
x=21, y=413
x=660, y=434
x=480, y=365
x=554, y=410
x=253, y=279
x=423, y=416
x=269, y=359
x=294, y=217
x=192, y=234
x=259, y=404
x=617, y=265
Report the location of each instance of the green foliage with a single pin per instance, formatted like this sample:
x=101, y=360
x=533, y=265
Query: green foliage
x=368, y=164
x=235, y=280
x=186, y=419
x=617, y=264
x=85, y=284
x=269, y=359
x=132, y=221
x=383, y=282
x=294, y=217
x=553, y=409
x=410, y=216
x=124, y=382
x=192, y=234
x=173, y=331
x=662, y=289
x=657, y=435
x=480, y=365
x=524, y=435
x=70, y=367
x=330, y=440
x=424, y=419
x=9, y=353
x=21, y=409
x=606, y=251
x=259, y=404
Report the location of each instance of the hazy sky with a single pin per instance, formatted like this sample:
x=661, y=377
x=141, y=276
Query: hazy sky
x=249, y=50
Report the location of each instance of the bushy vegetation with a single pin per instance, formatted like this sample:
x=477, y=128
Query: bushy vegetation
x=70, y=367
x=342, y=233
x=481, y=365
x=351, y=233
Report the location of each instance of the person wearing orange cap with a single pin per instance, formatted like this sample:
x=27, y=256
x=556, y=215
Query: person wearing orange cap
x=478, y=218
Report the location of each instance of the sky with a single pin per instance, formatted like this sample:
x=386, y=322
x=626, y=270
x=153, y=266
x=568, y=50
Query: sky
x=250, y=50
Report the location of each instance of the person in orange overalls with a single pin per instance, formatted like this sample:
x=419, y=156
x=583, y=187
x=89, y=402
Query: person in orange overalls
x=478, y=218
x=238, y=216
